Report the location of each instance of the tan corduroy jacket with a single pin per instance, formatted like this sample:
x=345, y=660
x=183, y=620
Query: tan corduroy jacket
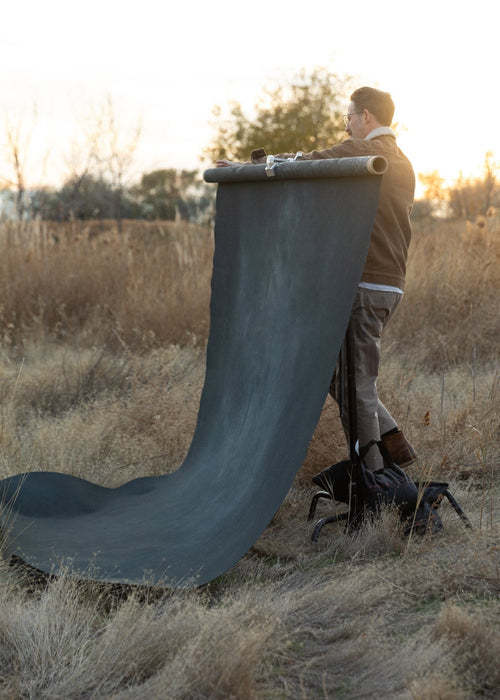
x=388, y=251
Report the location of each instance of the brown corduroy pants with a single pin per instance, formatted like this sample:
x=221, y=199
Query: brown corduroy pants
x=371, y=311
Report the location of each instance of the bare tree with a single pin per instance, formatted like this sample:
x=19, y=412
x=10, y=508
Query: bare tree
x=17, y=142
x=113, y=151
x=474, y=196
x=80, y=165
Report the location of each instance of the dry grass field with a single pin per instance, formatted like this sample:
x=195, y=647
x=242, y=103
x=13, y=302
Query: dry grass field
x=101, y=367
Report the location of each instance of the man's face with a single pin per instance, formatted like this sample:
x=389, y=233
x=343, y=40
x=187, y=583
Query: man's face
x=355, y=126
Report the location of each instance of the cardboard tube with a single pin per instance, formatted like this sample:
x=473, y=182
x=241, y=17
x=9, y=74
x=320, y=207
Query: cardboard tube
x=300, y=169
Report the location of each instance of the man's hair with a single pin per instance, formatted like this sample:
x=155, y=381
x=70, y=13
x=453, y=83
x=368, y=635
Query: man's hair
x=377, y=102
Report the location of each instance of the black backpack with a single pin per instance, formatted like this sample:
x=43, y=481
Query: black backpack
x=365, y=492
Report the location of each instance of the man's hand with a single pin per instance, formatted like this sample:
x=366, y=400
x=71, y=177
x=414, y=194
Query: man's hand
x=227, y=163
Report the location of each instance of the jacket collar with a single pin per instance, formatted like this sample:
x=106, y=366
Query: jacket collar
x=380, y=131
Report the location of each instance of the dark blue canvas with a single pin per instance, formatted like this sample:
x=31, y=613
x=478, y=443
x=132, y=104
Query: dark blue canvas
x=289, y=251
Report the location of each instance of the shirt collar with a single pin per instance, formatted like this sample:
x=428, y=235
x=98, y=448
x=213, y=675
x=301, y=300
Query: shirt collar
x=380, y=131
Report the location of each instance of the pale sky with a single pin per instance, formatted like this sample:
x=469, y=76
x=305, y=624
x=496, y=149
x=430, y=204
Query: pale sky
x=168, y=63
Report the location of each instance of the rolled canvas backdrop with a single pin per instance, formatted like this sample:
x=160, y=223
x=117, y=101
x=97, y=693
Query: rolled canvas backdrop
x=289, y=252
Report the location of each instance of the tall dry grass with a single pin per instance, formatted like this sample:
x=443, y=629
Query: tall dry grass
x=143, y=288
x=101, y=369
x=450, y=314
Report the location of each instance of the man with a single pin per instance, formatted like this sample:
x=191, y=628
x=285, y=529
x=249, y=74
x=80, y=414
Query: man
x=382, y=283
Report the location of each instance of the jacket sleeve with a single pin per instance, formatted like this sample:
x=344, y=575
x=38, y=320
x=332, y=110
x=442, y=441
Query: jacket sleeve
x=342, y=150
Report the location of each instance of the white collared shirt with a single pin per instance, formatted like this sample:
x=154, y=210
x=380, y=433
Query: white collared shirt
x=380, y=287
x=380, y=131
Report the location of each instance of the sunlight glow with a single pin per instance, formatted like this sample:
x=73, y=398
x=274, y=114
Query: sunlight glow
x=169, y=64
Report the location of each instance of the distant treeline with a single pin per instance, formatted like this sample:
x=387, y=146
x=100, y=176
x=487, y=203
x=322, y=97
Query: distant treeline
x=165, y=194
x=182, y=195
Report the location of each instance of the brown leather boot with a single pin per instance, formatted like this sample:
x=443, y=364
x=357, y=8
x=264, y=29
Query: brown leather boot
x=399, y=449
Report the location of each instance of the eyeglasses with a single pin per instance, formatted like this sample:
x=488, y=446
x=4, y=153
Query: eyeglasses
x=347, y=117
